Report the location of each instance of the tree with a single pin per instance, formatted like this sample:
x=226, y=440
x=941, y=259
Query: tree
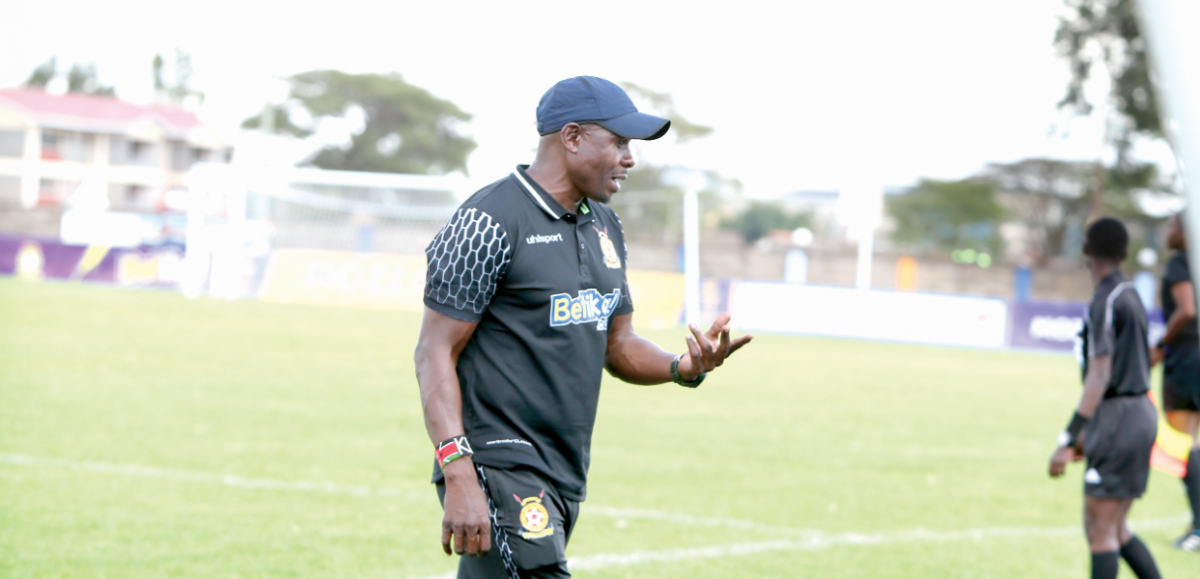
x=406, y=129
x=948, y=215
x=1050, y=197
x=651, y=200
x=43, y=74
x=1107, y=31
x=664, y=106
x=81, y=78
x=178, y=89
x=760, y=217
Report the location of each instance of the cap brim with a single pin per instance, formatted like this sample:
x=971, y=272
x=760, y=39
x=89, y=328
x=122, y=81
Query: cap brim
x=637, y=125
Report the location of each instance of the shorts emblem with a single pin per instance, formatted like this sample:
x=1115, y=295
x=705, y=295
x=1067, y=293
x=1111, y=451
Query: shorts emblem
x=1091, y=477
x=535, y=519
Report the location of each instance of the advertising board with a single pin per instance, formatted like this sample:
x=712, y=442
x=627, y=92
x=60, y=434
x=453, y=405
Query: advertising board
x=934, y=319
x=35, y=259
x=342, y=278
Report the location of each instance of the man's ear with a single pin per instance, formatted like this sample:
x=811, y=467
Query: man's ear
x=572, y=136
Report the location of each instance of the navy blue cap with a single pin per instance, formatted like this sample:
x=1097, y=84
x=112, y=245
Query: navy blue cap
x=588, y=99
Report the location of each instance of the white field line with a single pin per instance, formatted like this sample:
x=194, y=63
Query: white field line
x=807, y=540
x=819, y=540
x=358, y=491
x=205, y=478
x=678, y=519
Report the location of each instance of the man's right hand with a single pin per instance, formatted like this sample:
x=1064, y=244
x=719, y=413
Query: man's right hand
x=466, y=517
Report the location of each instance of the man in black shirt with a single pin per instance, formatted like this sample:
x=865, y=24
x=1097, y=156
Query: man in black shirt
x=526, y=305
x=1120, y=420
x=1179, y=350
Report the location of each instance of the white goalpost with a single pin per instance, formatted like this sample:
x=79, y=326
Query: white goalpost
x=1169, y=29
x=238, y=215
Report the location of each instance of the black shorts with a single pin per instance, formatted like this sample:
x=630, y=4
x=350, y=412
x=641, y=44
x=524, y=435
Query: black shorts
x=1118, y=443
x=1181, y=379
x=531, y=525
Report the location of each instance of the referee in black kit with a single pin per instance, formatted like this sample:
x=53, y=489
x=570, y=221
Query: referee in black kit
x=1179, y=350
x=1118, y=417
x=526, y=304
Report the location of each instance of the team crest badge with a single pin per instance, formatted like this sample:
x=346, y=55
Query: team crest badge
x=535, y=519
x=610, y=250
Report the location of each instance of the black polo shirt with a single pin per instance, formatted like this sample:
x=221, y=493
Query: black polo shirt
x=1177, y=271
x=542, y=283
x=1116, y=326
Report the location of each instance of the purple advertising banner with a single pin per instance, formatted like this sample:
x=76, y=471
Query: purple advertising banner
x=34, y=259
x=1045, y=325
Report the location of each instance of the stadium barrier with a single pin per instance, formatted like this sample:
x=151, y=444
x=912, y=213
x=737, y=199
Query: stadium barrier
x=145, y=266
x=935, y=319
x=1055, y=326
x=392, y=281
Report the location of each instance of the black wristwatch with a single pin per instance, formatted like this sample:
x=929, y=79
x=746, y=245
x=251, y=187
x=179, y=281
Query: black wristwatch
x=676, y=378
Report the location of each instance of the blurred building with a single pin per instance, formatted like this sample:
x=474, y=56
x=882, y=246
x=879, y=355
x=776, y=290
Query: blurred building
x=76, y=150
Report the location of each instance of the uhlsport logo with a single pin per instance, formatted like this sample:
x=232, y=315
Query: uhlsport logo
x=535, y=238
x=535, y=519
x=589, y=307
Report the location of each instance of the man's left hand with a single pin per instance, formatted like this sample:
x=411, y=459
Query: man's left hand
x=708, y=350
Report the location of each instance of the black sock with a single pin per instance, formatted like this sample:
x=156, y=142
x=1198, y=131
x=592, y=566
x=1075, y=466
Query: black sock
x=1191, y=483
x=1104, y=565
x=1138, y=557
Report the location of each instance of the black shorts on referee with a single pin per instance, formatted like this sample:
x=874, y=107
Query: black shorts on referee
x=1118, y=444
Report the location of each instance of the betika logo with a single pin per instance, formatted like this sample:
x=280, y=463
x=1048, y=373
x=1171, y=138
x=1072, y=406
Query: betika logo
x=532, y=239
x=589, y=307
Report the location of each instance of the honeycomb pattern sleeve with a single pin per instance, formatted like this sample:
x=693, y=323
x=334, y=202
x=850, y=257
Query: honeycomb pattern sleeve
x=466, y=261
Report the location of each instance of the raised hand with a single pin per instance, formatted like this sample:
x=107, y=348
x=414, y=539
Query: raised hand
x=708, y=350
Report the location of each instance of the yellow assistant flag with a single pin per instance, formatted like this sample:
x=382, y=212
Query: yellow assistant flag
x=1171, y=448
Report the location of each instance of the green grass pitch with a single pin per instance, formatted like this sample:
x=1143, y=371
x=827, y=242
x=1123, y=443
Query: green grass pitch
x=144, y=435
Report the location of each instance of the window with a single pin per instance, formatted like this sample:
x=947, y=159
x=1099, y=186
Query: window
x=50, y=145
x=52, y=192
x=65, y=146
x=125, y=151
x=12, y=143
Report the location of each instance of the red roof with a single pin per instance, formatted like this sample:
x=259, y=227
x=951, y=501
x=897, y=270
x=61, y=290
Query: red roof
x=95, y=113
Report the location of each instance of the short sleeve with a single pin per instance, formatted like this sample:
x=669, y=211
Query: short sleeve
x=1100, y=328
x=1177, y=270
x=466, y=260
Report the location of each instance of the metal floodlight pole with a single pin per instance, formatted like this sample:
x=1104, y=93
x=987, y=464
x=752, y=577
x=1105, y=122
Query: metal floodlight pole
x=1168, y=28
x=691, y=256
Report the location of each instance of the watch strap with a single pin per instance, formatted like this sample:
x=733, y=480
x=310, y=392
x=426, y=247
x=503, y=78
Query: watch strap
x=676, y=378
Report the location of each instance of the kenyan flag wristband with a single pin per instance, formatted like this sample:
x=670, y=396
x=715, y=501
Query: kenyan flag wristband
x=452, y=449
